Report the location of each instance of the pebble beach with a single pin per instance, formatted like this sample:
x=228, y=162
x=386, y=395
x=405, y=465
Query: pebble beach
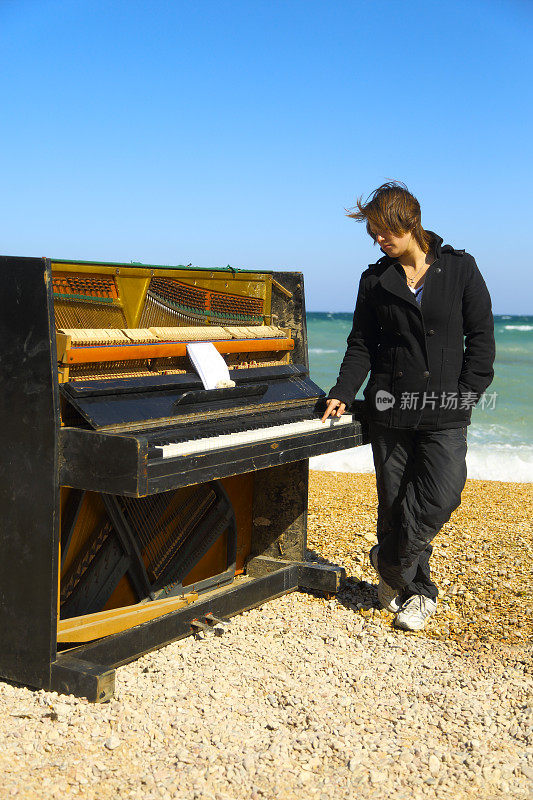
x=317, y=697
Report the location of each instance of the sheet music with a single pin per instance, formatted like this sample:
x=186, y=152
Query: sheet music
x=209, y=365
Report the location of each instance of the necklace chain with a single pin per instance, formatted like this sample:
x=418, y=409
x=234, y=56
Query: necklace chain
x=413, y=280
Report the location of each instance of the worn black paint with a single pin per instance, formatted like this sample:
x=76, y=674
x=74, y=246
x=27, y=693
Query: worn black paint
x=29, y=490
x=136, y=408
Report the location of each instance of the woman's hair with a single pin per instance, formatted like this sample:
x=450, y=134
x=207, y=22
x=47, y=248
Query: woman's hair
x=391, y=207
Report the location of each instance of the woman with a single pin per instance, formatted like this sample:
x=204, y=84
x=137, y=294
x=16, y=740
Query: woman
x=414, y=307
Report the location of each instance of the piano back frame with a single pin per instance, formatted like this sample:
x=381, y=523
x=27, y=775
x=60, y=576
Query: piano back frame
x=29, y=487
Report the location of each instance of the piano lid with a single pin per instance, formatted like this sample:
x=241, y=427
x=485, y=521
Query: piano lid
x=145, y=402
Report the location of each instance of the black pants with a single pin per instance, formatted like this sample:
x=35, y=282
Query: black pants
x=419, y=478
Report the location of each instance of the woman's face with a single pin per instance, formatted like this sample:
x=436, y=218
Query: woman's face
x=393, y=245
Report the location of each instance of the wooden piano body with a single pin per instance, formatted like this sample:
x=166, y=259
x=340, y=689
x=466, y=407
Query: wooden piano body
x=135, y=504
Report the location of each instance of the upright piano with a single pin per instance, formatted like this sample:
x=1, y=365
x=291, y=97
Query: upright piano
x=137, y=507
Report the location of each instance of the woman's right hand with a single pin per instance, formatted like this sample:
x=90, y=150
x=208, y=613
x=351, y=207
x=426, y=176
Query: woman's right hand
x=334, y=408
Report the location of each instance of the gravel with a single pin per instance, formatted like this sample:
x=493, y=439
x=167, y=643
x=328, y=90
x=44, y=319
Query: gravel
x=300, y=697
x=481, y=561
x=316, y=698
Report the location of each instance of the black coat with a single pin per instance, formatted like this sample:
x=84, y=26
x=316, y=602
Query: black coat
x=411, y=350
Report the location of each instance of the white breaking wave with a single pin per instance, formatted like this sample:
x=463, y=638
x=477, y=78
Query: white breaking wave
x=355, y=459
x=320, y=350
x=518, y=327
x=495, y=462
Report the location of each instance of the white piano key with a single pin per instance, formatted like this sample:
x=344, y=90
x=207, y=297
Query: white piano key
x=251, y=436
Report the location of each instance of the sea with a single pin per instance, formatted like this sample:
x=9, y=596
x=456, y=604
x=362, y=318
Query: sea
x=500, y=436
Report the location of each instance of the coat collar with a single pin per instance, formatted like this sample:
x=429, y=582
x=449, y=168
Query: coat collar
x=393, y=279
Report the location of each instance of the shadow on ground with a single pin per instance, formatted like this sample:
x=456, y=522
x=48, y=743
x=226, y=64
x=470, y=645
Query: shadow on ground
x=354, y=594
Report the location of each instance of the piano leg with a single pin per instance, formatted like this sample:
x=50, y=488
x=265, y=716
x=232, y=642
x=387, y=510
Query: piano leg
x=316, y=577
x=279, y=533
x=88, y=670
x=82, y=679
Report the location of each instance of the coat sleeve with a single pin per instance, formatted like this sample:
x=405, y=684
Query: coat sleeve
x=477, y=372
x=359, y=356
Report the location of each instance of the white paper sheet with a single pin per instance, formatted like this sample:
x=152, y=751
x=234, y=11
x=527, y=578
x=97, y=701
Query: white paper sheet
x=209, y=365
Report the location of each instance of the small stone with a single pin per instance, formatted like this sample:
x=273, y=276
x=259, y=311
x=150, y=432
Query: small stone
x=113, y=742
x=377, y=776
x=434, y=765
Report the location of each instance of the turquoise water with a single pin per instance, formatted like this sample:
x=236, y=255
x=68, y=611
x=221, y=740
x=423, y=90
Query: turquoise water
x=500, y=438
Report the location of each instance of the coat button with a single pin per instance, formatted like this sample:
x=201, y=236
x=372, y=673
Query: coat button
x=399, y=374
x=426, y=374
x=438, y=269
x=431, y=332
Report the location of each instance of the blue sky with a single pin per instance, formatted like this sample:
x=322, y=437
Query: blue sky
x=238, y=132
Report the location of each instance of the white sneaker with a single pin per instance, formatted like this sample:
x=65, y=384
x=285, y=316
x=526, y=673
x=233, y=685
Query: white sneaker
x=415, y=612
x=387, y=596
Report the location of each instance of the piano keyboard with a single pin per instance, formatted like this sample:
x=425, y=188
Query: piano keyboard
x=240, y=438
